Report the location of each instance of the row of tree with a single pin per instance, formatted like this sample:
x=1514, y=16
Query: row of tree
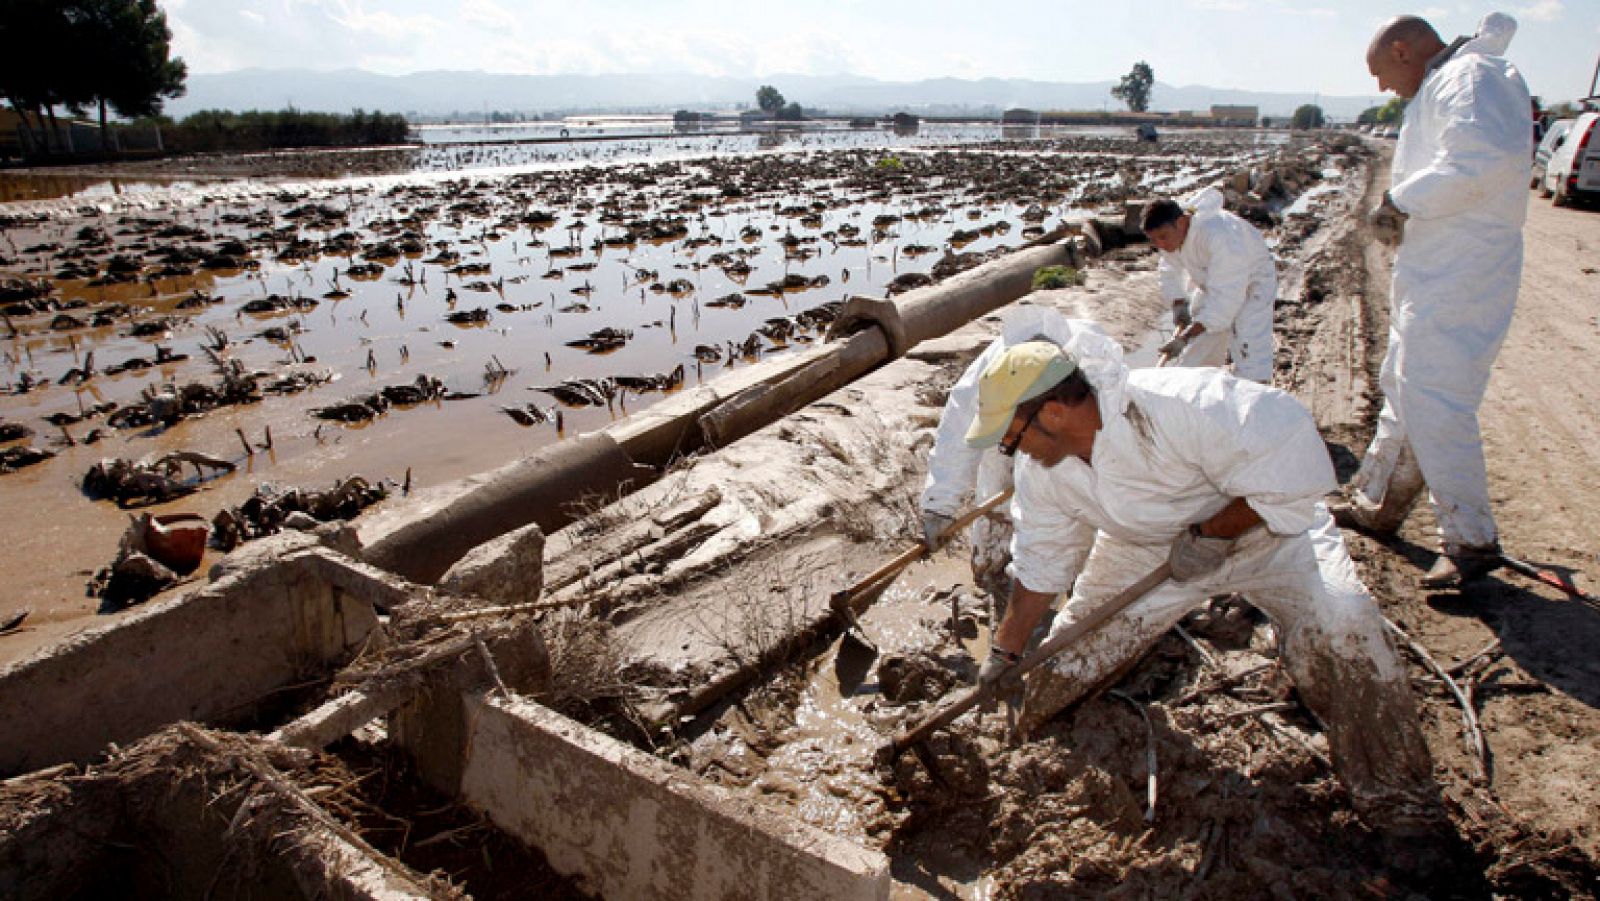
x=111, y=54
x=213, y=130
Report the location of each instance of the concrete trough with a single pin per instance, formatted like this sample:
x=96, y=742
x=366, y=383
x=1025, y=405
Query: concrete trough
x=288, y=612
x=187, y=814
x=628, y=825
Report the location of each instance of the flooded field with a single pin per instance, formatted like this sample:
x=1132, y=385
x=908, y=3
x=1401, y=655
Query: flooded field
x=489, y=301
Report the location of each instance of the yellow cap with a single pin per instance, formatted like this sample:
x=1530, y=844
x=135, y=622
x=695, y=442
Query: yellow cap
x=1020, y=374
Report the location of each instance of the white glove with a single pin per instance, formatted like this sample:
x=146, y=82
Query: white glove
x=1180, y=313
x=1195, y=556
x=934, y=525
x=1388, y=223
x=1172, y=348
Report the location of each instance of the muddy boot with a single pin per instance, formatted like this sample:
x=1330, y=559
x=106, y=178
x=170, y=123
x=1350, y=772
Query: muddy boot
x=1462, y=563
x=1383, y=517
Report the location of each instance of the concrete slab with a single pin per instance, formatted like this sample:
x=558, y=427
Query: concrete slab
x=627, y=825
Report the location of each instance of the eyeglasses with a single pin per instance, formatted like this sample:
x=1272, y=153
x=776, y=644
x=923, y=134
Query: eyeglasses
x=1009, y=448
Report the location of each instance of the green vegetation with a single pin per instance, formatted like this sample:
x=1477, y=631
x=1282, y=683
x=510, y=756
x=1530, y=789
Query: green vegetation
x=1388, y=114
x=770, y=99
x=79, y=54
x=1307, y=116
x=890, y=164
x=212, y=130
x=1134, y=89
x=1051, y=277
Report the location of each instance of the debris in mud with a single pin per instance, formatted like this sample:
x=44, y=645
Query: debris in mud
x=272, y=509
x=132, y=483
x=15, y=458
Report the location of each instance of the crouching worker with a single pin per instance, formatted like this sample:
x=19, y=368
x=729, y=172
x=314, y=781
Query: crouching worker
x=1223, y=478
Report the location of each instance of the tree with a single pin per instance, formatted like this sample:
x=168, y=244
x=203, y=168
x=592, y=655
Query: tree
x=1307, y=116
x=126, y=57
x=33, y=33
x=769, y=99
x=791, y=112
x=1392, y=111
x=1134, y=89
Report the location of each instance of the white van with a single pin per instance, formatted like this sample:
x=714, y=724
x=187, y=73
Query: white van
x=1573, y=169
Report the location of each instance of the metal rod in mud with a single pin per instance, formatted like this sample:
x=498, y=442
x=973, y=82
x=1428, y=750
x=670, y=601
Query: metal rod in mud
x=1057, y=643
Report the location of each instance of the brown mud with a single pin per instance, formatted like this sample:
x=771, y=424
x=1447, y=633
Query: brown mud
x=325, y=293
x=1200, y=774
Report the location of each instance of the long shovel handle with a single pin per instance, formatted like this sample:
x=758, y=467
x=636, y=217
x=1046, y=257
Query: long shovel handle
x=1553, y=579
x=1058, y=642
x=908, y=556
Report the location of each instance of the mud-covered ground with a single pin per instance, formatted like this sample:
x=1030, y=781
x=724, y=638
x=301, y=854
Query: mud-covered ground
x=1200, y=774
x=424, y=326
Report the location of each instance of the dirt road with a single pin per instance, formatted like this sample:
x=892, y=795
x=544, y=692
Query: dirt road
x=1540, y=702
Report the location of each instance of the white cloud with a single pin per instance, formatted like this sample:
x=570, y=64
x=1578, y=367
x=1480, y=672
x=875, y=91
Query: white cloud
x=354, y=16
x=1542, y=11
x=1231, y=6
x=253, y=16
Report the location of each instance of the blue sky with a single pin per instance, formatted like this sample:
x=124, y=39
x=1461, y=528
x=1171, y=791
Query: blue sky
x=1271, y=45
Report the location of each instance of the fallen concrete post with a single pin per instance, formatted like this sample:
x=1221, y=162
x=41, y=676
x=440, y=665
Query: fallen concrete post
x=627, y=825
x=293, y=616
x=422, y=537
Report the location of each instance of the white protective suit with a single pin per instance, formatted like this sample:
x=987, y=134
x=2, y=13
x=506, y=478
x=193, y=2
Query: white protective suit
x=958, y=475
x=1226, y=272
x=1461, y=178
x=1175, y=447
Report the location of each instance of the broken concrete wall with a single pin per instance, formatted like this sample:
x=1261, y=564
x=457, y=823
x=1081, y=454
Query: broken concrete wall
x=628, y=825
x=286, y=612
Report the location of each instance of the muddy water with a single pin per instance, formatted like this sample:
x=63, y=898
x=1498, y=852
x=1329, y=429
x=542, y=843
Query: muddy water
x=537, y=284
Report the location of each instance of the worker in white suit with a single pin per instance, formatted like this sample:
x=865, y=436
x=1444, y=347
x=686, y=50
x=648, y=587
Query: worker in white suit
x=1118, y=472
x=1219, y=276
x=1455, y=208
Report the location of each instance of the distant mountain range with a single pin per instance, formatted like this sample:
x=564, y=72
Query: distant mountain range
x=467, y=93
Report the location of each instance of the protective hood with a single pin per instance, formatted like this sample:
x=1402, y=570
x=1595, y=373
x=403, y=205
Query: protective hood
x=1100, y=359
x=1493, y=37
x=1205, y=200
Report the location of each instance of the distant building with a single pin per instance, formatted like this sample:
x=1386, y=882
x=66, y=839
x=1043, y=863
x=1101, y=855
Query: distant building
x=1244, y=116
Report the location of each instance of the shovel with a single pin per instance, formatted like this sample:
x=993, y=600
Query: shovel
x=912, y=739
x=846, y=600
x=1555, y=580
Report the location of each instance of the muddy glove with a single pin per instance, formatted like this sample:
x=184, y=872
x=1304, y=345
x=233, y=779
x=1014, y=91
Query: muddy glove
x=1180, y=313
x=1172, y=348
x=1387, y=222
x=1195, y=556
x=934, y=525
x=1000, y=673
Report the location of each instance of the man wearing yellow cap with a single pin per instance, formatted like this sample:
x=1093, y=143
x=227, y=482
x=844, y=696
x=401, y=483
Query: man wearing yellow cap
x=1119, y=471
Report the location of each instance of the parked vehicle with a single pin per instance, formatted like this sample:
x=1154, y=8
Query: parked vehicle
x=1573, y=168
x=1553, y=137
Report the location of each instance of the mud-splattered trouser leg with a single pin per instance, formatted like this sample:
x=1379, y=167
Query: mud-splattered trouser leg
x=991, y=534
x=1331, y=635
x=1389, y=482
